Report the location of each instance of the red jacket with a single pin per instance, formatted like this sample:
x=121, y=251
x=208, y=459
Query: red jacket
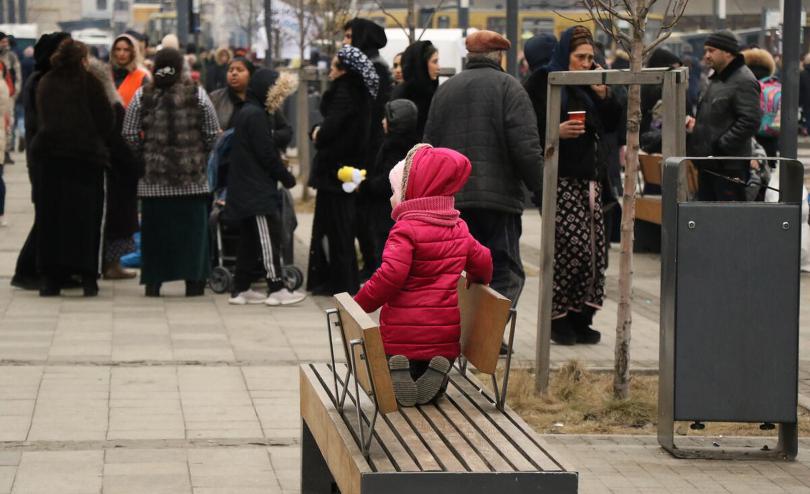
x=427, y=249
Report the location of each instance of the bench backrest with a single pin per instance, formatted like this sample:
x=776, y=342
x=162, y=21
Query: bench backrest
x=651, y=168
x=373, y=376
x=484, y=314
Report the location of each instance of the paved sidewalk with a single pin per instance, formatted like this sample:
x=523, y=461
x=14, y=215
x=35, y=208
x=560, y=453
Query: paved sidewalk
x=121, y=394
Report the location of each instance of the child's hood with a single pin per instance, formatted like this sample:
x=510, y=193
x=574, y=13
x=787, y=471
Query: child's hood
x=435, y=172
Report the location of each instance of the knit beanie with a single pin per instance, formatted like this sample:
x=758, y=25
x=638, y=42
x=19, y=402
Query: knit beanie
x=402, y=116
x=724, y=40
x=168, y=67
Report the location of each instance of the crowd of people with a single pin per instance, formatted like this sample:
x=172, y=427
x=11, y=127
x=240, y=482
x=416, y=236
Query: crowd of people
x=125, y=146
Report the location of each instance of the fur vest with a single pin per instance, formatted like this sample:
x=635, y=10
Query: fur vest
x=173, y=144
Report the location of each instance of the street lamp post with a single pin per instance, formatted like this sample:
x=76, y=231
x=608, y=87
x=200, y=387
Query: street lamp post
x=791, y=30
x=512, y=35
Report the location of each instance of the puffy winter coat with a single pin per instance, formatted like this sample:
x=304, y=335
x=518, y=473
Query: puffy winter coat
x=424, y=256
x=485, y=114
x=344, y=132
x=727, y=118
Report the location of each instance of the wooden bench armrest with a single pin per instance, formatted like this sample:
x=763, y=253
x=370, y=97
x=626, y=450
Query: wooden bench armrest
x=372, y=372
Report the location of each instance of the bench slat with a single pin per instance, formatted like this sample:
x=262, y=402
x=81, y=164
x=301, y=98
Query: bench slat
x=453, y=439
x=398, y=455
x=445, y=457
x=378, y=459
x=481, y=444
x=341, y=453
x=520, y=439
x=505, y=445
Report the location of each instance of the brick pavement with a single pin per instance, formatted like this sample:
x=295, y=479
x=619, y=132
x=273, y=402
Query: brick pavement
x=123, y=394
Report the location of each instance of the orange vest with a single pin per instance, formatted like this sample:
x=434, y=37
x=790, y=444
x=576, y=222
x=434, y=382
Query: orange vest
x=130, y=86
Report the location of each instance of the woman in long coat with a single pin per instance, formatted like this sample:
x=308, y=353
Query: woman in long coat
x=341, y=139
x=580, y=254
x=70, y=150
x=121, y=218
x=172, y=123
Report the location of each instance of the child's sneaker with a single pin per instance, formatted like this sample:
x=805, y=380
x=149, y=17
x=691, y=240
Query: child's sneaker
x=284, y=297
x=247, y=297
x=404, y=387
x=430, y=383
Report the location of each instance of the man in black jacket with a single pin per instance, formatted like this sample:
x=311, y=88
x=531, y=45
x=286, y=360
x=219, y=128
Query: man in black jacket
x=728, y=116
x=486, y=115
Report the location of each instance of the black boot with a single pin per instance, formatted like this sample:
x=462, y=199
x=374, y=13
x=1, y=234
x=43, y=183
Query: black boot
x=90, y=285
x=561, y=331
x=153, y=290
x=581, y=323
x=51, y=287
x=195, y=288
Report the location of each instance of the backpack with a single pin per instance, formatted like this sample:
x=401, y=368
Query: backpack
x=770, y=102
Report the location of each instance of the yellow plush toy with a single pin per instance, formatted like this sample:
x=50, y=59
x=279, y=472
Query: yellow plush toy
x=351, y=177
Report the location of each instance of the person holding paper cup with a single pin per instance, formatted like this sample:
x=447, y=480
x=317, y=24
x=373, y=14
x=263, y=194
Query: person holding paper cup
x=587, y=112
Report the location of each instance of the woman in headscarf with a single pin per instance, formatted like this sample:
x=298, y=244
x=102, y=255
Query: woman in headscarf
x=25, y=272
x=580, y=254
x=420, y=72
x=370, y=37
x=121, y=219
x=71, y=155
x=228, y=100
x=341, y=139
x=125, y=61
x=172, y=124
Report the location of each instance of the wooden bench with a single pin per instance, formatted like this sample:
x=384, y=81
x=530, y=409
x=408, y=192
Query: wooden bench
x=356, y=439
x=648, y=206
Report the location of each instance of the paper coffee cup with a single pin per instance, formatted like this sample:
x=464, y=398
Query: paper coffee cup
x=577, y=115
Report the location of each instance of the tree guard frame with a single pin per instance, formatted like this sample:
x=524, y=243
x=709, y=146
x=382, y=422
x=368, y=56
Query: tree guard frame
x=674, y=82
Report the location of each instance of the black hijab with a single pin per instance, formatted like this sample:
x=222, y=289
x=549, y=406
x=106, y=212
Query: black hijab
x=414, y=68
x=45, y=47
x=367, y=35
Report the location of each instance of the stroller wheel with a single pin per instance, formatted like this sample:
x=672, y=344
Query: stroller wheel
x=293, y=277
x=220, y=280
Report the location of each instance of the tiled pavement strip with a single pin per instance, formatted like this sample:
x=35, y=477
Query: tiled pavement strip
x=123, y=394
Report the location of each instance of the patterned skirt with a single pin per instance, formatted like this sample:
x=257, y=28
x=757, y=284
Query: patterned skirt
x=579, y=247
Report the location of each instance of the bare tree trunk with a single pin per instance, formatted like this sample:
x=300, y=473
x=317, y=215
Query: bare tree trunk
x=268, y=29
x=621, y=379
x=411, y=21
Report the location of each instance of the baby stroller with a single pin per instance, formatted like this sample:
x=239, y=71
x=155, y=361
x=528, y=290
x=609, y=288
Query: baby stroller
x=225, y=237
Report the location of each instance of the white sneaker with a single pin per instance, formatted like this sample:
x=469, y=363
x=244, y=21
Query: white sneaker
x=3, y=221
x=248, y=297
x=284, y=297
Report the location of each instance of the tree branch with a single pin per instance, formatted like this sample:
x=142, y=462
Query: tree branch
x=430, y=19
x=391, y=16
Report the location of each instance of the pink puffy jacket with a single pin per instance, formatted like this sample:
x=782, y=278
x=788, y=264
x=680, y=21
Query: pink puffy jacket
x=427, y=249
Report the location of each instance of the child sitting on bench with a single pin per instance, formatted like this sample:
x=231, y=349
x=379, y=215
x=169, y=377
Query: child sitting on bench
x=416, y=285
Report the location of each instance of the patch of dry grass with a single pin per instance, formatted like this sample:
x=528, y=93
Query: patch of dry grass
x=581, y=402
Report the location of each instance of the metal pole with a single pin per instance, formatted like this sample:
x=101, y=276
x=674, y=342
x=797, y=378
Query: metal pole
x=788, y=140
x=512, y=35
x=23, y=17
x=2, y=13
x=183, y=21
x=12, y=12
x=464, y=16
x=720, y=13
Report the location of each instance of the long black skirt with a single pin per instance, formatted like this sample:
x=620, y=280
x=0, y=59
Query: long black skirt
x=174, y=239
x=332, y=256
x=69, y=216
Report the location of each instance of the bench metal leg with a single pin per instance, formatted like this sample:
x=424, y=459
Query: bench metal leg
x=315, y=475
